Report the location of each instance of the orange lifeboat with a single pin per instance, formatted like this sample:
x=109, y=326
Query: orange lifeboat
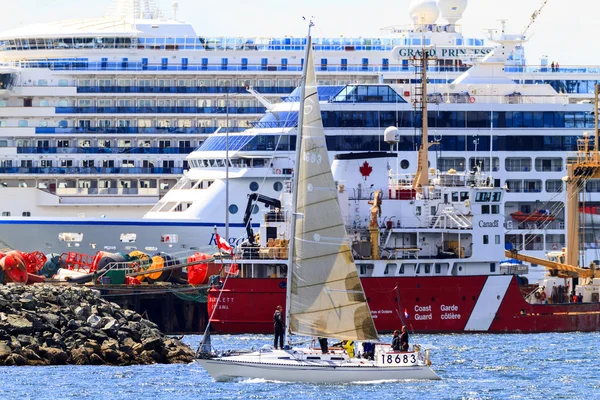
x=536, y=216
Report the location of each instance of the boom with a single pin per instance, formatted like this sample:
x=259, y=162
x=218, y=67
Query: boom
x=257, y=198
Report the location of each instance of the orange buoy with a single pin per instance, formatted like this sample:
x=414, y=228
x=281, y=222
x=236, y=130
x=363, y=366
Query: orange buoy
x=198, y=272
x=14, y=267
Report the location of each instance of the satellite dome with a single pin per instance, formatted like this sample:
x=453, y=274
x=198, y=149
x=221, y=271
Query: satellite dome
x=423, y=12
x=452, y=10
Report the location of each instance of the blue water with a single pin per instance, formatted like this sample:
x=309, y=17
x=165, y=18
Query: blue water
x=544, y=366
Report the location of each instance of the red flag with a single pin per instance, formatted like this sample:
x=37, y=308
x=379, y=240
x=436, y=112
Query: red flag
x=223, y=245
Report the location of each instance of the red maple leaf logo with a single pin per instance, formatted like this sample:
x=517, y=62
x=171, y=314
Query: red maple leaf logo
x=366, y=169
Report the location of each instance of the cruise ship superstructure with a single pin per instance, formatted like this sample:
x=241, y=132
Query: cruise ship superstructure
x=97, y=118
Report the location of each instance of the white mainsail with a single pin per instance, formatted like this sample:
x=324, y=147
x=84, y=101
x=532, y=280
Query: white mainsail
x=326, y=297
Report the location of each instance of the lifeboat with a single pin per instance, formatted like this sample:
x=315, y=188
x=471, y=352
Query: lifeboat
x=591, y=215
x=536, y=216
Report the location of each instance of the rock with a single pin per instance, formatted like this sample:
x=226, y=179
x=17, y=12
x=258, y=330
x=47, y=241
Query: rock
x=18, y=324
x=54, y=355
x=74, y=324
x=28, y=304
x=5, y=350
x=94, y=321
x=148, y=324
x=79, y=356
x=95, y=359
x=152, y=342
x=111, y=327
x=80, y=313
x=16, y=359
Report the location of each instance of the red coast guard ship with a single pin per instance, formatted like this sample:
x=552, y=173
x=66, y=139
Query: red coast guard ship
x=428, y=247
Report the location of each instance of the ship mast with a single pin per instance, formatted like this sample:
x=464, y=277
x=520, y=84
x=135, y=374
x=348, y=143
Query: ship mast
x=585, y=167
x=422, y=175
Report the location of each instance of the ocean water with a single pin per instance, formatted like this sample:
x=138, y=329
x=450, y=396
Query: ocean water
x=542, y=366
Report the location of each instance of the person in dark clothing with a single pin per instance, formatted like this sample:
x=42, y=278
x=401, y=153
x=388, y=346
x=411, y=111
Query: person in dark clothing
x=368, y=350
x=323, y=344
x=404, y=339
x=396, y=341
x=278, y=327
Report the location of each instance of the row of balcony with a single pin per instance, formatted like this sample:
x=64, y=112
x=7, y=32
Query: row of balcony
x=160, y=110
x=90, y=171
x=104, y=150
x=136, y=130
x=184, y=89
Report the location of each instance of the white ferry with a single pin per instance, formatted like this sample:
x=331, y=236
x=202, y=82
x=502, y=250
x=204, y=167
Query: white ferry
x=97, y=116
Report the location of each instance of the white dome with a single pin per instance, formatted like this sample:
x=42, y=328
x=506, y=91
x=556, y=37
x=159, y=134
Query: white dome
x=423, y=12
x=452, y=10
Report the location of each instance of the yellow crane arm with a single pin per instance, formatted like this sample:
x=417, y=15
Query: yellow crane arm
x=553, y=265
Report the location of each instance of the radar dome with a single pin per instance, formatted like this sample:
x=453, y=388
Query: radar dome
x=452, y=10
x=391, y=135
x=423, y=12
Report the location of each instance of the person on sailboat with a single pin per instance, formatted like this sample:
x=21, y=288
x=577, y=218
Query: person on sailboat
x=404, y=339
x=348, y=345
x=278, y=327
x=396, y=341
x=324, y=346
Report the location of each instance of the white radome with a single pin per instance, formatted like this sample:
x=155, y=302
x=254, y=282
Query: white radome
x=452, y=10
x=423, y=12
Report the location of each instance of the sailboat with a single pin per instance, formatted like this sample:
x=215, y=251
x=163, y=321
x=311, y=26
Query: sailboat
x=325, y=297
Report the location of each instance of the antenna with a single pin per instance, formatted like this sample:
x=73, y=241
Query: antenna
x=175, y=7
x=533, y=17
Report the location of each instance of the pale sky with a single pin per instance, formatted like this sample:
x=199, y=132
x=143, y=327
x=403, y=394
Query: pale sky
x=565, y=30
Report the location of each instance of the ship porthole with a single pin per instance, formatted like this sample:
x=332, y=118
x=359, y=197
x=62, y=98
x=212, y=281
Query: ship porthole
x=464, y=298
x=254, y=186
x=233, y=209
x=433, y=299
x=473, y=298
x=418, y=285
x=277, y=186
x=404, y=164
x=417, y=299
x=498, y=297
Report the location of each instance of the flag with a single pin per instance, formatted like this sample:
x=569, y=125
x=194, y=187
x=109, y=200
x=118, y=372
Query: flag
x=406, y=313
x=223, y=245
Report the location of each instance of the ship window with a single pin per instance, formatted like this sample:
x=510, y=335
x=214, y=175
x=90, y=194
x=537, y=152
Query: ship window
x=418, y=211
x=497, y=239
x=26, y=214
x=427, y=268
x=495, y=209
x=150, y=248
x=42, y=82
x=254, y=186
x=401, y=271
x=464, y=196
x=63, y=82
x=492, y=267
x=255, y=209
x=6, y=213
x=3, y=143
x=70, y=237
x=486, y=239
x=404, y=164
x=128, y=237
x=23, y=123
x=483, y=196
x=390, y=269
x=485, y=209
x=44, y=103
x=169, y=238
x=277, y=186
x=438, y=268
x=233, y=209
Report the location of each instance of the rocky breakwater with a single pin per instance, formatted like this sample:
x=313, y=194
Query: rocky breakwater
x=56, y=325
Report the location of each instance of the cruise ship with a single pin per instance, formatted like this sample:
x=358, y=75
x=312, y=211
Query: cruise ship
x=97, y=118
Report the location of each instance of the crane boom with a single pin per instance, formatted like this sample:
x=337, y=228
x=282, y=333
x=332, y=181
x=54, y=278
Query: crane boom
x=561, y=268
x=533, y=17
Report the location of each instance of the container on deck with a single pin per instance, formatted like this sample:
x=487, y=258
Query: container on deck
x=116, y=276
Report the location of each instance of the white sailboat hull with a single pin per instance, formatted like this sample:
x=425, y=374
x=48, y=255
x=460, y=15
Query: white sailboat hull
x=273, y=368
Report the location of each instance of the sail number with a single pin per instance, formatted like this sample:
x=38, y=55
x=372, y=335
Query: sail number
x=312, y=157
x=398, y=359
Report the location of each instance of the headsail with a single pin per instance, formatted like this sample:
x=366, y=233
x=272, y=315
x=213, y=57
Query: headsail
x=326, y=296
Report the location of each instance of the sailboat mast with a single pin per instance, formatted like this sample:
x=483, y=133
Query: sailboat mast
x=295, y=185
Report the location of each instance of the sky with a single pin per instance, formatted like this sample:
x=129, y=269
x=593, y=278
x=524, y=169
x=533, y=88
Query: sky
x=564, y=31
